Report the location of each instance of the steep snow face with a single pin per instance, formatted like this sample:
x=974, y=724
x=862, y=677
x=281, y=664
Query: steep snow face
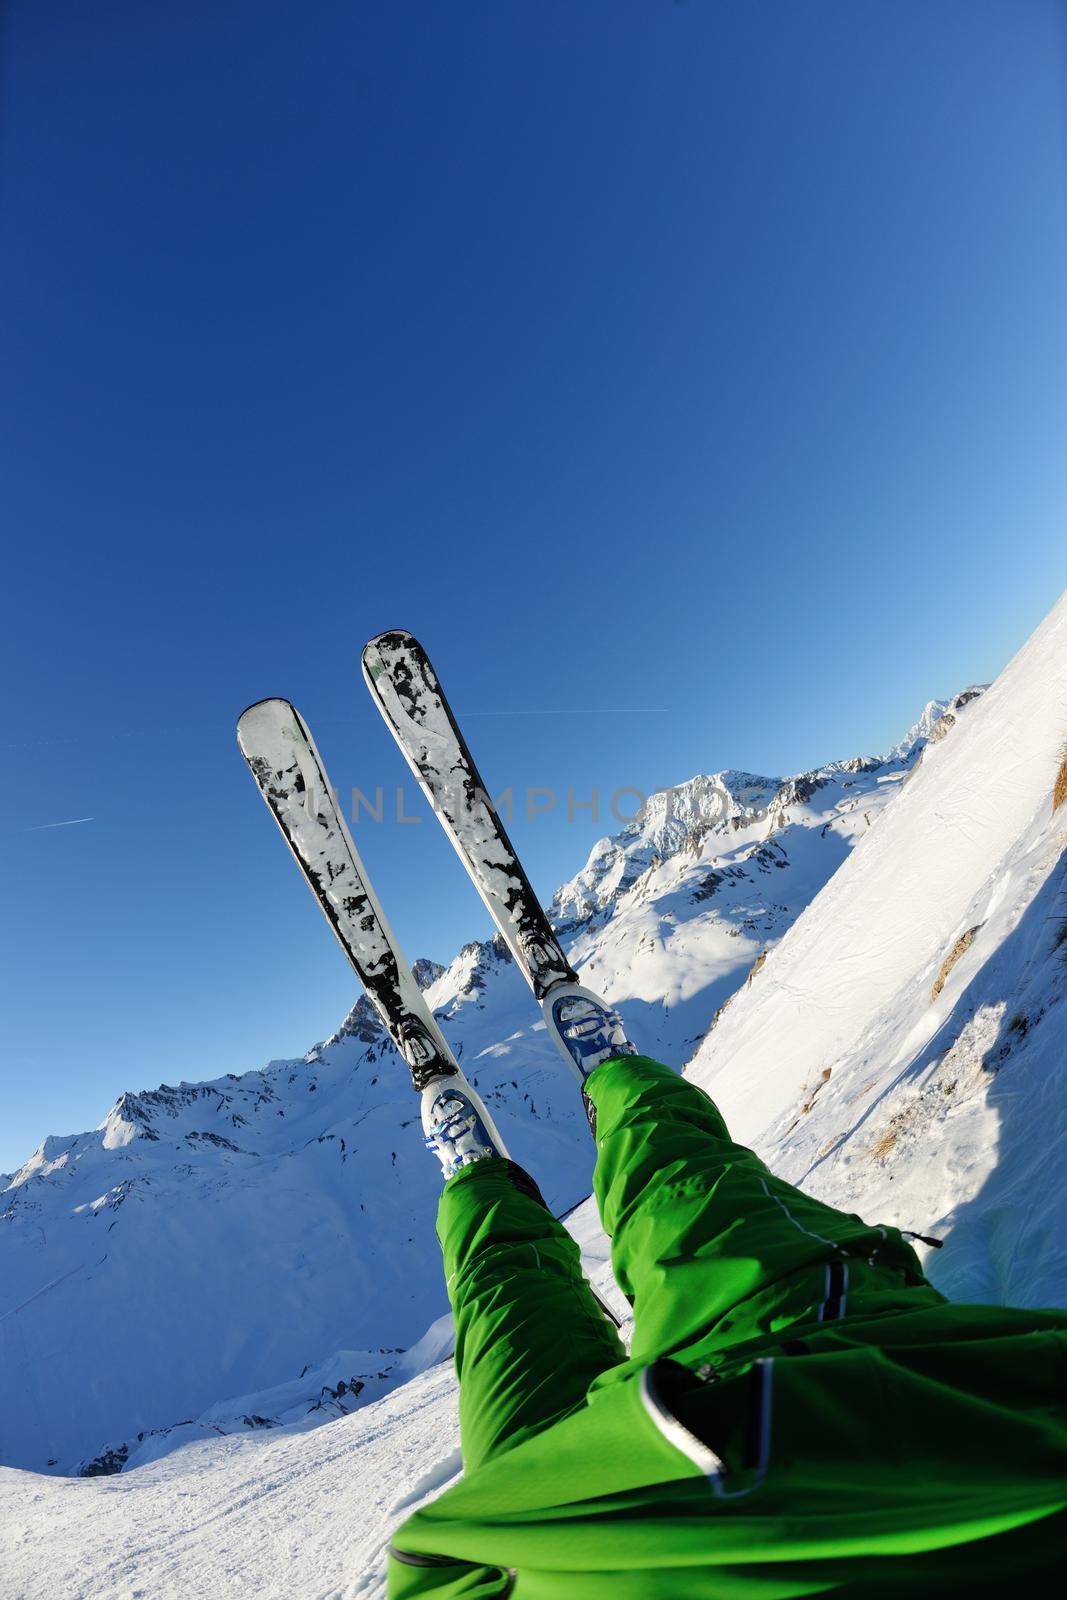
x=900, y=1053
x=219, y=1239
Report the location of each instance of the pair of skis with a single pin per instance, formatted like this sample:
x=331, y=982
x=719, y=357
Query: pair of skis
x=289, y=772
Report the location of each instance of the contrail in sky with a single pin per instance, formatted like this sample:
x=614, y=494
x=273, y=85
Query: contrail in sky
x=72, y=822
x=574, y=711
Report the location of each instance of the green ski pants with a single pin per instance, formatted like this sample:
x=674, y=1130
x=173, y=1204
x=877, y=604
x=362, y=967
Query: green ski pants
x=712, y=1251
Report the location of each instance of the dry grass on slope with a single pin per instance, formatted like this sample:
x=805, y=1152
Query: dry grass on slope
x=963, y=943
x=1059, y=791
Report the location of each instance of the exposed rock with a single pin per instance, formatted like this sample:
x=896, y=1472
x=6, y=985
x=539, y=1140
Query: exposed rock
x=425, y=971
x=106, y=1464
x=362, y=1023
x=948, y=718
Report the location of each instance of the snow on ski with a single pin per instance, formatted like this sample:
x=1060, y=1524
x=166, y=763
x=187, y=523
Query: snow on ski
x=410, y=698
x=289, y=773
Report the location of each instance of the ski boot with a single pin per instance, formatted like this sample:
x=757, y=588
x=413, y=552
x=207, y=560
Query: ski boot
x=586, y=1031
x=457, y=1126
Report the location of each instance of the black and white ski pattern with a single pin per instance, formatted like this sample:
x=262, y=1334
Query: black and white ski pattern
x=410, y=698
x=290, y=775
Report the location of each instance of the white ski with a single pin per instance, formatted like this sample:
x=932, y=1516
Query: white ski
x=290, y=775
x=410, y=698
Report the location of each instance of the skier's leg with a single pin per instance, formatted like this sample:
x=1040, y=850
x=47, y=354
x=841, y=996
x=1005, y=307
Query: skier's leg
x=710, y=1247
x=530, y=1337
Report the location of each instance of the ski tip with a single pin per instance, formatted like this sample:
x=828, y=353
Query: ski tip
x=391, y=639
x=381, y=653
x=264, y=711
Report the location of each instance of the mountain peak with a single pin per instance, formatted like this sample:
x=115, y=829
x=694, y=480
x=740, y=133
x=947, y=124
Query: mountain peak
x=128, y=1119
x=936, y=715
x=363, y=1023
x=425, y=971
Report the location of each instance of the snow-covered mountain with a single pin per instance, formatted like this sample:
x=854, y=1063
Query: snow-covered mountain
x=897, y=1047
x=211, y=1241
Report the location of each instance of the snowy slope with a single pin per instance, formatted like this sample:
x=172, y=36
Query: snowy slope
x=901, y=1051
x=303, y=1514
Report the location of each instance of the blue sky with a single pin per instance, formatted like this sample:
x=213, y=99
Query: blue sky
x=702, y=358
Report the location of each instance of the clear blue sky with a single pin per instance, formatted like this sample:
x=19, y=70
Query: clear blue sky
x=707, y=357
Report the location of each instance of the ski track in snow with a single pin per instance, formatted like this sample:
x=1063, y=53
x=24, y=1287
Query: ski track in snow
x=305, y=1512
x=308, y=1513
x=833, y=1059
